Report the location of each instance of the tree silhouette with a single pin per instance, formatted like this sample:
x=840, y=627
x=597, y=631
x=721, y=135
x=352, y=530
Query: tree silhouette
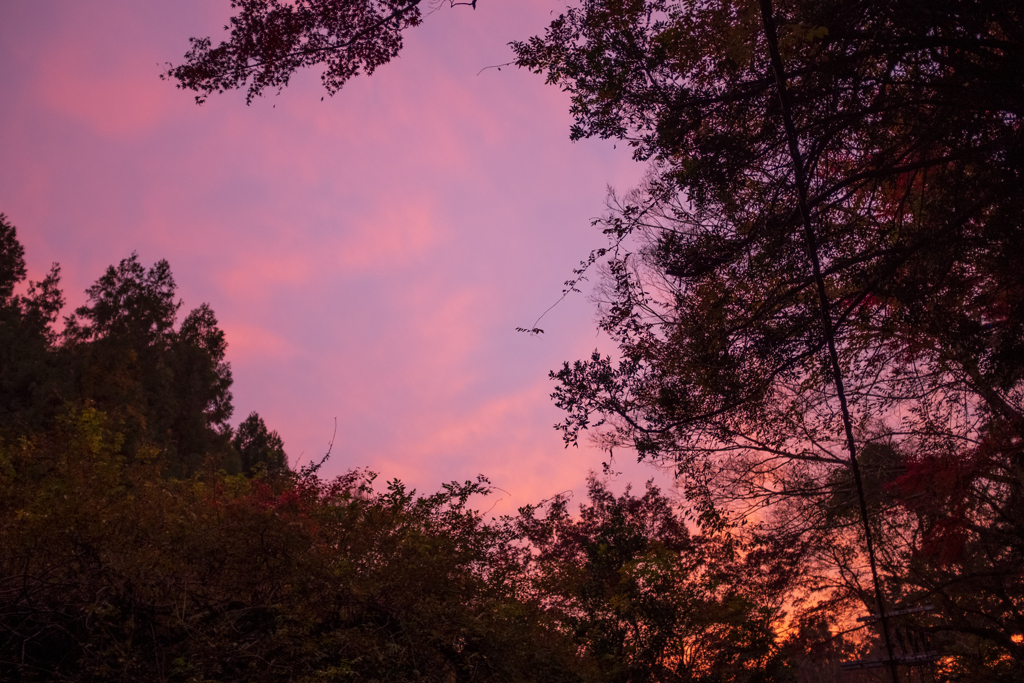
x=646, y=600
x=29, y=377
x=877, y=144
x=165, y=387
x=271, y=39
x=257, y=446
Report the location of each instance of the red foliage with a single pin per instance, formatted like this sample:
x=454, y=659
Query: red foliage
x=937, y=488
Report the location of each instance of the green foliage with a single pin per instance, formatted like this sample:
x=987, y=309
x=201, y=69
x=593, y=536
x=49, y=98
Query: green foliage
x=165, y=387
x=110, y=571
x=257, y=447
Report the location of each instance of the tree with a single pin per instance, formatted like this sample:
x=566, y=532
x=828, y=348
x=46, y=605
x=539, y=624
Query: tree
x=128, y=302
x=29, y=378
x=864, y=168
x=202, y=381
x=271, y=39
x=914, y=195
x=159, y=385
x=162, y=386
x=647, y=601
x=258, y=447
x=110, y=571
x=12, y=259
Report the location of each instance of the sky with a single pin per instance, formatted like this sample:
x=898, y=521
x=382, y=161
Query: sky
x=368, y=255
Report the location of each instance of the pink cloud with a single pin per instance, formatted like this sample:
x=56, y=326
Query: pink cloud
x=393, y=237
x=122, y=99
x=513, y=445
x=252, y=275
x=247, y=342
x=447, y=328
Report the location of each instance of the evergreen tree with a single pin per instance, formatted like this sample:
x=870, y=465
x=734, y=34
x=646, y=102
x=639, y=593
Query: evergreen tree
x=31, y=383
x=259, y=447
x=164, y=387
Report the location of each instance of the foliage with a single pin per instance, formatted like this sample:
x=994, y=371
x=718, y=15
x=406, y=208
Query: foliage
x=271, y=39
x=647, y=601
x=907, y=128
x=26, y=368
x=715, y=314
x=110, y=571
x=258, y=447
x=164, y=386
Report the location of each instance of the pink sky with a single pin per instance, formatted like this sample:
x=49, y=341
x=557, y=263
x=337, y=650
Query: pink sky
x=368, y=256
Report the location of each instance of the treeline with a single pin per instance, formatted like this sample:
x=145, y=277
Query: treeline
x=142, y=540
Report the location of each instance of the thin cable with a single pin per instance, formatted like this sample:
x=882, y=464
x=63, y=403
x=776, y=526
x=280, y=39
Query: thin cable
x=826, y=316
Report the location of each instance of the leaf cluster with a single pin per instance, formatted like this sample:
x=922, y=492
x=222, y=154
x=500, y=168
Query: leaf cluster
x=271, y=39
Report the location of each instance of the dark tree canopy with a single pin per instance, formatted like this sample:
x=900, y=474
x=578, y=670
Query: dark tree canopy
x=258, y=446
x=908, y=122
x=650, y=602
x=111, y=572
x=28, y=374
x=128, y=302
x=903, y=153
x=12, y=259
x=163, y=387
x=270, y=40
